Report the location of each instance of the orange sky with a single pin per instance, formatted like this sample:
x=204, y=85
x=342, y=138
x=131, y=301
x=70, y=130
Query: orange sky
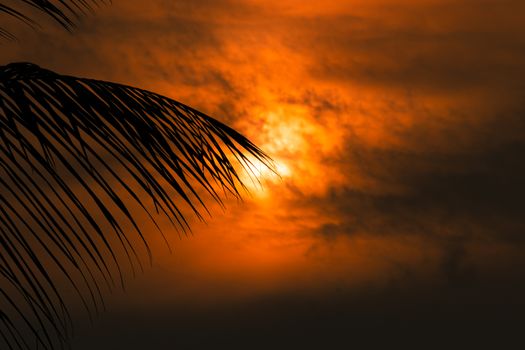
x=397, y=128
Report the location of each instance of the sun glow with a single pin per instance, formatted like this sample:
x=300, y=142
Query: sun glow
x=282, y=139
x=258, y=176
x=283, y=170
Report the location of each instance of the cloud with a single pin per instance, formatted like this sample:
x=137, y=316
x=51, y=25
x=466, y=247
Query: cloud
x=401, y=124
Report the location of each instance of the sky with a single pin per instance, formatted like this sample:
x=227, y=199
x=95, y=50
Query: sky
x=398, y=131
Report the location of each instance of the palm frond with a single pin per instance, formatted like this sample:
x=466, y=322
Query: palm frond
x=61, y=11
x=78, y=158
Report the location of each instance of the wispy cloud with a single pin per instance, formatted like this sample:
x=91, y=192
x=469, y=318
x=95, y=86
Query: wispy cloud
x=400, y=126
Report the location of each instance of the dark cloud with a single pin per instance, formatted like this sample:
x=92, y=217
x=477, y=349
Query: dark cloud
x=429, y=98
x=478, y=182
x=444, y=47
x=470, y=196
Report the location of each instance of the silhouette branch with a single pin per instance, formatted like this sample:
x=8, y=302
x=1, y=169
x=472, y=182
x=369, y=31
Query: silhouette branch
x=64, y=12
x=77, y=158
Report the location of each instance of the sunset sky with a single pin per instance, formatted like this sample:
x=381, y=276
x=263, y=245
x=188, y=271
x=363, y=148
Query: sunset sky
x=398, y=131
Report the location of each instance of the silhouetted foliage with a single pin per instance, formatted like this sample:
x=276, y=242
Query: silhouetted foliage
x=77, y=158
x=62, y=11
x=66, y=145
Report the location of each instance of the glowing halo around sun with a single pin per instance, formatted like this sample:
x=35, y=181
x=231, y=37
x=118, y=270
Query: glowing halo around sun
x=300, y=145
x=280, y=140
x=257, y=176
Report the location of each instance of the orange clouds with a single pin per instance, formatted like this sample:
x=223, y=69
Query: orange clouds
x=397, y=128
x=379, y=112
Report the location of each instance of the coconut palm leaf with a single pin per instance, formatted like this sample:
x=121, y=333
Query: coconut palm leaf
x=61, y=11
x=80, y=159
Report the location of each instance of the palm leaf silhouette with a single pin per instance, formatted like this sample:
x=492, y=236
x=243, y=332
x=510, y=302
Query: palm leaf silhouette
x=61, y=11
x=77, y=158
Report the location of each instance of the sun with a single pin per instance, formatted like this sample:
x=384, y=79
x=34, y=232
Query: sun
x=283, y=170
x=281, y=135
x=258, y=176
